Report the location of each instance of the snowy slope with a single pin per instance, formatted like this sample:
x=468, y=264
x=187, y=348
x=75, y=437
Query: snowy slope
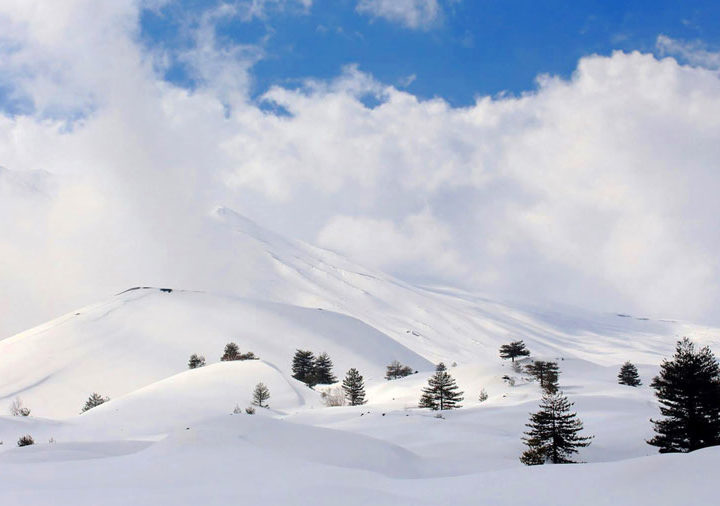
x=263, y=461
x=442, y=324
x=169, y=435
x=143, y=336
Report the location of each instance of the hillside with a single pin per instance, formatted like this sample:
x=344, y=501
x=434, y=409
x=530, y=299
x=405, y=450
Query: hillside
x=169, y=425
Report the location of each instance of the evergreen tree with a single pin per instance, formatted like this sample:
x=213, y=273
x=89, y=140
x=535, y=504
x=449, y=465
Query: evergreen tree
x=196, y=361
x=546, y=373
x=688, y=388
x=513, y=350
x=354, y=388
x=232, y=352
x=629, y=375
x=440, y=367
x=441, y=393
x=483, y=395
x=553, y=435
x=247, y=356
x=322, y=370
x=260, y=395
x=303, y=366
x=93, y=401
x=396, y=370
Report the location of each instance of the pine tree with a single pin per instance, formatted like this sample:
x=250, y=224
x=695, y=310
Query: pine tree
x=688, y=388
x=303, y=366
x=354, y=388
x=513, y=350
x=93, y=401
x=232, y=352
x=260, y=395
x=441, y=393
x=546, y=373
x=196, y=361
x=629, y=375
x=553, y=435
x=440, y=367
x=322, y=370
x=396, y=370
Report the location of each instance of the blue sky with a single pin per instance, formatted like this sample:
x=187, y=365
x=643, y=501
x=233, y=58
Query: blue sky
x=469, y=48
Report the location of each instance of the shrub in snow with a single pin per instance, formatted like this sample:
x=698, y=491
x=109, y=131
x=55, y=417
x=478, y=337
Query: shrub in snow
x=26, y=441
x=93, y=401
x=628, y=375
x=396, y=370
x=483, y=395
x=334, y=396
x=231, y=352
x=260, y=395
x=250, y=410
x=196, y=361
x=17, y=408
x=546, y=373
x=553, y=435
x=247, y=356
x=441, y=392
x=354, y=388
x=237, y=409
x=688, y=388
x=513, y=350
x=510, y=381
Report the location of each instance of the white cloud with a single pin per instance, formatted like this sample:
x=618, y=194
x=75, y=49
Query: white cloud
x=420, y=242
x=411, y=13
x=600, y=190
x=694, y=52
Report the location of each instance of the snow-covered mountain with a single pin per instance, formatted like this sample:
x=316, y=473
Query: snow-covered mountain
x=171, y=424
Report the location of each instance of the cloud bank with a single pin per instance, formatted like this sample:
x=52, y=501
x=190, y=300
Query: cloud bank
x=600, y=190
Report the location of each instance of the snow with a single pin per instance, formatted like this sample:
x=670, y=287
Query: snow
x=169, y=435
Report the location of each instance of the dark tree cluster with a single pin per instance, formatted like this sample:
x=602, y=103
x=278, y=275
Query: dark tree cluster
x=553, y=434
x=26, y=441
x=232, y=352
x=396, y=370
x=628, y=375
x=514, y=350
x=94, y=401
x=442, y=392
x=546, y=373
x=313, y=370
x=354, y=388
x=196, y=361
x=688, y=388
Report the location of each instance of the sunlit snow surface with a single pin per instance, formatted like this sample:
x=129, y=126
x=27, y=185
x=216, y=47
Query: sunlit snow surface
x=169, y=435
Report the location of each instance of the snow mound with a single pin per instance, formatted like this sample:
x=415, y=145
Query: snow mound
x=142, y=336
x=194, y=395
